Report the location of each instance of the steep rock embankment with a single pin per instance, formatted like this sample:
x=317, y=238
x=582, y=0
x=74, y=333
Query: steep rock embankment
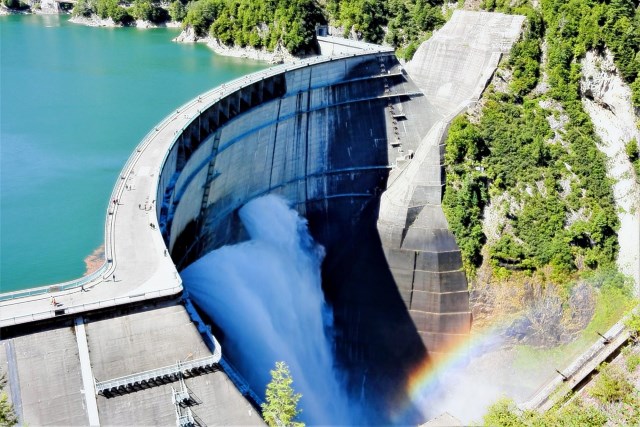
x=95, y=21
x=607, y=100
x=278, y=56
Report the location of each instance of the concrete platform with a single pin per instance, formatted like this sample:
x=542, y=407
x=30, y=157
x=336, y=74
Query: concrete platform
x=221, y=405
x=50, y=380
x=51, y=377
x=138, y=342
x=152, y=339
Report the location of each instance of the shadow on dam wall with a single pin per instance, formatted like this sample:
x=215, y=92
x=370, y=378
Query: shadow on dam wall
x=377, y=342
x=330, y=156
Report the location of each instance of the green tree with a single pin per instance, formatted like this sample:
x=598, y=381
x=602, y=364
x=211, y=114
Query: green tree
x=142, y=9
x=177, y=11
x=611, y=385
x=633, y=323
x=635, y=88
x=281, y=405
x=632, y=150
x=503, y=413
x=7, y=415
x=84, y=8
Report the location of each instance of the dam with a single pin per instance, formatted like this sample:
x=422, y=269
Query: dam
x=354, y=142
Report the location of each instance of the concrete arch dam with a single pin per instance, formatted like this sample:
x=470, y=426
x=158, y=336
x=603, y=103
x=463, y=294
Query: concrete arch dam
x=357, y=147
x=355, y=143
x=325, y=136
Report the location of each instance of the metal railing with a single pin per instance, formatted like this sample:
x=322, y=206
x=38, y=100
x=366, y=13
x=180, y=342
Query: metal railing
x=616, y=335
x=167, y=371
x=55, y=288
x=79, y=308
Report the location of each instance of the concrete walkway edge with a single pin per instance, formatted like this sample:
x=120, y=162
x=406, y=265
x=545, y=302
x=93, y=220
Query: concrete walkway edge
x=87, y=375
x=14, y=380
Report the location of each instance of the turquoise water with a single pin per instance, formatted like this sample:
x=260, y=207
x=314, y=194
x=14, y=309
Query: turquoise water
x=74, y=103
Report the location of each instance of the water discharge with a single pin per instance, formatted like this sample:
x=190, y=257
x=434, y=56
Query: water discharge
x=265, y=294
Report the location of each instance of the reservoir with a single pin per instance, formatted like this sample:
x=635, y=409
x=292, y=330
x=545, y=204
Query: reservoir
x=74, y=103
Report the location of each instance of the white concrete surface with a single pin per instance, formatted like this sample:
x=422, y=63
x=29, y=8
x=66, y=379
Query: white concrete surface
x=87, y=374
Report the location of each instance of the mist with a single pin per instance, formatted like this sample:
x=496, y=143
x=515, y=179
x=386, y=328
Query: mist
x=266, y=295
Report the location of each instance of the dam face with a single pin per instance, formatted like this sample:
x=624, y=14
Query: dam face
x=325, y=138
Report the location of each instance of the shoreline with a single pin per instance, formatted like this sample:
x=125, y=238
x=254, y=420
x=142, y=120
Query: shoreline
x=95, y=21
x=94, y=260
x=279, y=56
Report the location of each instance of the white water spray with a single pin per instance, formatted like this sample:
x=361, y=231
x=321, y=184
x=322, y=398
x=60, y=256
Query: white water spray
x=265, y=294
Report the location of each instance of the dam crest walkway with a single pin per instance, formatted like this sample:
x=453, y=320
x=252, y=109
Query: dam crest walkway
x=137, y=264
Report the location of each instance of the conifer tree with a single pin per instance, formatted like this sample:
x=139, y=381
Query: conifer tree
x=281, y=405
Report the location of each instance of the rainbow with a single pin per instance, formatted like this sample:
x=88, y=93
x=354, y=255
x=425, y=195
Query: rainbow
x=424, y=380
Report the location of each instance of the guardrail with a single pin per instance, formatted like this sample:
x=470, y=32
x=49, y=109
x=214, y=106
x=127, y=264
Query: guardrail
x=205, y=101
x=171, y=373
x=80, y=308
x=616, y=336
x=57, y=287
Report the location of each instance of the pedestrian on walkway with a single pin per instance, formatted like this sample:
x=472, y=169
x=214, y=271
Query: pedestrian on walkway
x=53, y=301
x=114, y=277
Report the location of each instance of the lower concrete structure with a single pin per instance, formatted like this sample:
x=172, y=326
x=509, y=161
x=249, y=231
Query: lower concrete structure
x=47, y=368
x=49, y=383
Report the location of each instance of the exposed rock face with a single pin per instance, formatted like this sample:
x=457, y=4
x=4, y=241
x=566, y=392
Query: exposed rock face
x=188, y=35
x=607, y=100
x=49, y=7
x=94, y=21
x=278, y=56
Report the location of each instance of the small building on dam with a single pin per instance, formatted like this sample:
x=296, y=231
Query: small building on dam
x=354, y=141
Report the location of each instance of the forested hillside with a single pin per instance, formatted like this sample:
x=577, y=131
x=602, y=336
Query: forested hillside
x=403, y=24
x=550, y=184
x=267, y=23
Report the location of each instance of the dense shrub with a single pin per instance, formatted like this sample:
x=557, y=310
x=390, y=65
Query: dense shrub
x=16, y=4
x=147, y=11
x=505, y=413
x=509, y=148
x=177, y=11
x=84, y=8
x=611, y=385
x=250, y=23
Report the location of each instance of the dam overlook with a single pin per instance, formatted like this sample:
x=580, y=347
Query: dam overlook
x=354, y=143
